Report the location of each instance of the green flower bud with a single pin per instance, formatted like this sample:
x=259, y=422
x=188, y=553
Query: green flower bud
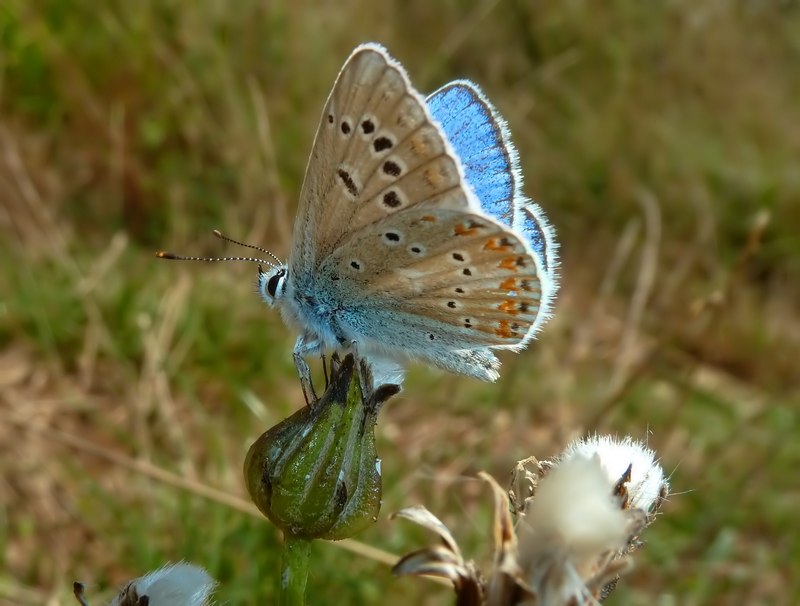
x=316, y=475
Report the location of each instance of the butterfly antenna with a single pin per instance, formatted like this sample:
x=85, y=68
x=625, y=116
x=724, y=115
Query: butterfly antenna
x=222, y=236
x=163, y=254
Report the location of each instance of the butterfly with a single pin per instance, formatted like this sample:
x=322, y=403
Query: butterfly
x=412, y=240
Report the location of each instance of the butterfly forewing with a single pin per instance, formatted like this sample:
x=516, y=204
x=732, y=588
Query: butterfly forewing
x=377, y=151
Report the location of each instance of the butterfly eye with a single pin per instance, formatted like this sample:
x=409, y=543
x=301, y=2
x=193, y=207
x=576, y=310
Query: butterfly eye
x=274, y=281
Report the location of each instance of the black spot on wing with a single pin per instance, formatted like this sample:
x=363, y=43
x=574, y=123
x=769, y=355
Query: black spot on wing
x=392, y=168
x=381, y=144
x=348, y=182
x=391, y=199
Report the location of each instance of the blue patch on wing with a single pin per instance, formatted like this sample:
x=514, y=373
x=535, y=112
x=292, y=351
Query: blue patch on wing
x=478, y=135
x=471, y=125
x=538, y=232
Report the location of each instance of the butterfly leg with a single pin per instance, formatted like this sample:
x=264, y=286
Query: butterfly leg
x=325, y=370
x=302, y=348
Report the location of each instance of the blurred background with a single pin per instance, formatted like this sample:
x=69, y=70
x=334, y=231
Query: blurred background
x=661, y=138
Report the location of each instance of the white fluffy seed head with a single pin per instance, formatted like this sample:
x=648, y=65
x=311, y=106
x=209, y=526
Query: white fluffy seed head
x=179, y=584
x=571, y=529
x=647, y=485
x=574, y=511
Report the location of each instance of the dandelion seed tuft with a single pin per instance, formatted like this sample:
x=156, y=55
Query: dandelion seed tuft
x=646, y=487
x=180, y=584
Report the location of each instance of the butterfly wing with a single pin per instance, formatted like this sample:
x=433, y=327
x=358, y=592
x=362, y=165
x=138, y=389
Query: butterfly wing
x=534, y=226
x=376, y=142
x=480, y=137
x=458, y=278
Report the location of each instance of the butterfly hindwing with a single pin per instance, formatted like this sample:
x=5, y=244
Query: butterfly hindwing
x=470, y=274
x=531, y=222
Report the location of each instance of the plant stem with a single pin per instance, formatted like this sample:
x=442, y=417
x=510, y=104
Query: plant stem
x=294, y=570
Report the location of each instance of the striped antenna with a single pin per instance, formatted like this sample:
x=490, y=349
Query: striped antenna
x=163, y=254
x=221, y=236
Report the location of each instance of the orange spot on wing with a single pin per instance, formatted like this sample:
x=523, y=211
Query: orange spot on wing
x=509, y=263
x=428, y=218
x=504, y=330
x=509, y=307
x=502, y=244
x=470, y=229
x=509, y=284
x=435, y=177
x=419, y=144
x=460, y=230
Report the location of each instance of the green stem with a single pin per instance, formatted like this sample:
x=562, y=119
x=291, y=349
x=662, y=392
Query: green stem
x=294, y=570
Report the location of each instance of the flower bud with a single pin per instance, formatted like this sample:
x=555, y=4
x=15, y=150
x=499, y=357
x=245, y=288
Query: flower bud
x=316, y=474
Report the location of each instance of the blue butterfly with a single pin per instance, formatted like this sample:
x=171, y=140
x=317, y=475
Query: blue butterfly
x=413, y=239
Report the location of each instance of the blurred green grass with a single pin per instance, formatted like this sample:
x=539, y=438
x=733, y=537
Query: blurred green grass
x=659, y=137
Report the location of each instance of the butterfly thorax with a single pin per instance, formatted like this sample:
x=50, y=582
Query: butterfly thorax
x=312, y=311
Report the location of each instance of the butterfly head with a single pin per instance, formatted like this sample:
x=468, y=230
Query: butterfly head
x=272, y=283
